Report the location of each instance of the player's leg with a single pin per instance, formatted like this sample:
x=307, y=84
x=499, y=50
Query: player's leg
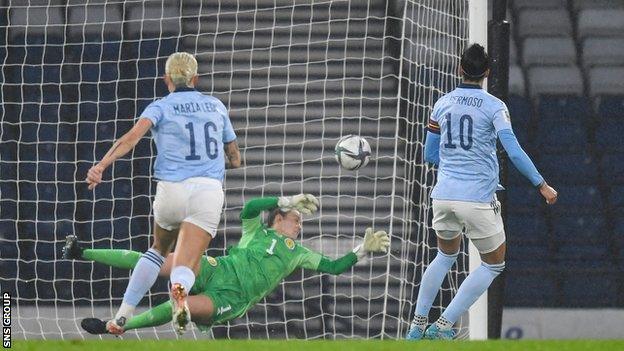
x=192, y=243
x=484, y=227
x=448, y=230
x=196, y=231
x=200, y=307
x=144, y=274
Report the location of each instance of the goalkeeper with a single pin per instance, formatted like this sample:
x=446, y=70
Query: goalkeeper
x=228, y=286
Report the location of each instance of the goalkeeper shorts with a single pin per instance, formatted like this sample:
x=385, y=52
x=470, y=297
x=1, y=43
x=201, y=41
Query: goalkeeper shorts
x=218, y=280
x=195, y=200
x=482, y=222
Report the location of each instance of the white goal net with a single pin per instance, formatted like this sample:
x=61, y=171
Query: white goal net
x=295, y=76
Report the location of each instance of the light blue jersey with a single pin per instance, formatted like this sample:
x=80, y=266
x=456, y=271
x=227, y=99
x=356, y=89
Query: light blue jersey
x=189, y=129
x=468, y=120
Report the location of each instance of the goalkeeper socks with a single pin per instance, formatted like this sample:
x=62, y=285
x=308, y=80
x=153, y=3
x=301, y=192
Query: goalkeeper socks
x=184, y=276
x=432, y=280
x=143, y=277
x=114, y=258
x=158, y=315
x=474, y=286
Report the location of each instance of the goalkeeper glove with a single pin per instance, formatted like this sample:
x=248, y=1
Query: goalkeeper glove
x=304, y=203
x=378, y=241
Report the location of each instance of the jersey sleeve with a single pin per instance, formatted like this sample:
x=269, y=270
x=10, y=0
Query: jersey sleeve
x=153, y=112
x=316, y=261
x=228, y=130
x=501, y=119
x=251, y=214
x=434, y=126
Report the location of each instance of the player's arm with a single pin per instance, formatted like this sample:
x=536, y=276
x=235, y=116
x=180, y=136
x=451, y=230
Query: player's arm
x=432, y=143
x=121, y=147
x=304, y=203
x=373, y=242
x=519, y=158
x=232, y=154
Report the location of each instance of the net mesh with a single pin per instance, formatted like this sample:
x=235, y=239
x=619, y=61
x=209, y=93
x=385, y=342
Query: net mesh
x=295, y=76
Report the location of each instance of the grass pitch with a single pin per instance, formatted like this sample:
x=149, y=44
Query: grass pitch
x=318, y=345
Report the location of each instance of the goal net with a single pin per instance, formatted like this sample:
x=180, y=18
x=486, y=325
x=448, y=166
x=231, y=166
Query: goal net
x=295, y=76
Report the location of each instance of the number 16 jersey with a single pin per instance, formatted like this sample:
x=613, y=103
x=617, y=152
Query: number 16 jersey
x=189, y=129
x=468, y=120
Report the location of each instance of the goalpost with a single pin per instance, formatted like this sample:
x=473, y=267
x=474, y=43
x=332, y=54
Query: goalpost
x=295, y=76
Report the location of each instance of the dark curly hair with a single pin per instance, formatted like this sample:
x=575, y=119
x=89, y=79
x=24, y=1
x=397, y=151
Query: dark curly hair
x=475, y=62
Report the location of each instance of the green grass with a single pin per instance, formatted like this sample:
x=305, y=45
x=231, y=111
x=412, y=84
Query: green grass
x=302, y=345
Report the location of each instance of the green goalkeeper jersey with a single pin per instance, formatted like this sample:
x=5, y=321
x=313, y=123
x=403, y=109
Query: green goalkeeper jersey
x=263, y=257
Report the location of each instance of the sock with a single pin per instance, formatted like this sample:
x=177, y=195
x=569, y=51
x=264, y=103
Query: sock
x=184, y=276
x=158, y=315
x=420, y=322
x=143, y=277
x=474, y=286
x=432, y=280
x=114, y=258
x=443, y=324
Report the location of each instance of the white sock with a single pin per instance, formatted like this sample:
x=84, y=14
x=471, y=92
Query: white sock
x=143, y=277
x=444, y=324
x=420, y=322
x=474, y=286
x=183, y=276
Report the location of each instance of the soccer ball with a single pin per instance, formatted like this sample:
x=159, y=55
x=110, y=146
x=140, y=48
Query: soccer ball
x=352, y=152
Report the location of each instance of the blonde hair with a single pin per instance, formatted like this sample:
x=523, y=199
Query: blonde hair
x=181, y=67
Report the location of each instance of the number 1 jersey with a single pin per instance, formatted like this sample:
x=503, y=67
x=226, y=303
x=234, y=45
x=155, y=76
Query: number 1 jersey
x=468, y=120
x=189, y=129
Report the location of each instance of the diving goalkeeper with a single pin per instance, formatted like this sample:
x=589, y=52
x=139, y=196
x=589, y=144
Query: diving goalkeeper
x=228, y=286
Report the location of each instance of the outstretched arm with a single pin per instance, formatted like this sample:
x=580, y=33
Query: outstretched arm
x=373, y=242
x=121, y=147
x=254, y=207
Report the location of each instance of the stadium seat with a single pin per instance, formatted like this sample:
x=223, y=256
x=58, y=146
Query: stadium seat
x=543, y=51
x=570, y=169
x=563, y=108
x=561, y=136
x=609, y=136
x=539, y=22
x=611, y=107
x=526, y=228
x=45, y=24
x=596, y=4
x=555, y=80
x=518, y=5
x=152, y=21
x=86, y=22
x=606, y=80
x=536, y=289
x=523, y=197
x=601, y=22
x=576, y=226
x=577, y=294
x=520, y=111
x=603, y=51
x=616, y=201
x=612, y=168
x=516, y=81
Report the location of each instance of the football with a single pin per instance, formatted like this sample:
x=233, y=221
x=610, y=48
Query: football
x=352, y=152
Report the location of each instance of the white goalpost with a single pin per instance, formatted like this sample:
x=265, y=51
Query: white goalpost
x=295, y=76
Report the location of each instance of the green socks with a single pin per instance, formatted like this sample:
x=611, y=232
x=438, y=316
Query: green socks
x=111, y=257
x=158, y=315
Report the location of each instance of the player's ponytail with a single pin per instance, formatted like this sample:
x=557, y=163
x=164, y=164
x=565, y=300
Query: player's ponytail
x=181, y=67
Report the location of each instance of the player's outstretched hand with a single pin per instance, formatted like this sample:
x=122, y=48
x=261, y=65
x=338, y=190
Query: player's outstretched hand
x=304, y=203
x=378, y=241
x=94, y=176
x=548, y=193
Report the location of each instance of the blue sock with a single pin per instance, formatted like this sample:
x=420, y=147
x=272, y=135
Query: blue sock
x=474, y=286
x=432, y=280
x=143, y=277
